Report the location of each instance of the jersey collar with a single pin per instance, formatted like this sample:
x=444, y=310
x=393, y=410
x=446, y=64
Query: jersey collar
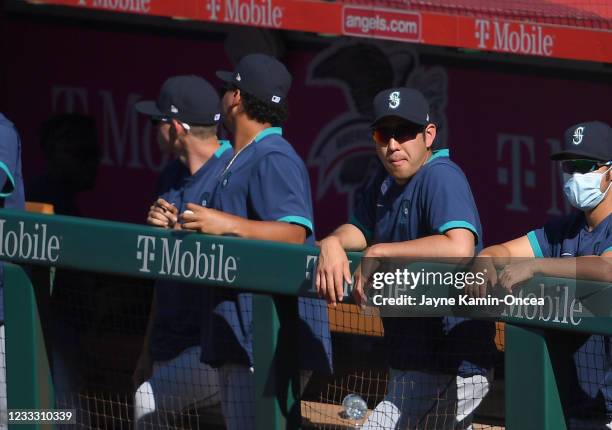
x=225, y=145
x=389, y=181
x=604, y=222
x=268, y=132
x=439, y=153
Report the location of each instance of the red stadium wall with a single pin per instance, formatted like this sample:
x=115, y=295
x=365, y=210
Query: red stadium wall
x=500, y=125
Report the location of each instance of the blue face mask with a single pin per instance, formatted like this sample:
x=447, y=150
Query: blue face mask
x=583, y=189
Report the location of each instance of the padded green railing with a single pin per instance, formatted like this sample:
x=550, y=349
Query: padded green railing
x=532, y=391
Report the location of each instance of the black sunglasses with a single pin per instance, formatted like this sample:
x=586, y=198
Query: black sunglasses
x=401, y=133
x=582, y=166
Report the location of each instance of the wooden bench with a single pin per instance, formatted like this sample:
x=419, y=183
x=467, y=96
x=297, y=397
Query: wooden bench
x=347, y=318
x=328, y=416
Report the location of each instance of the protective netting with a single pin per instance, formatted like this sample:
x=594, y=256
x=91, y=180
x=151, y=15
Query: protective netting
x=361, y=357
x=580, y=13
x=95, y=328
x=95, y=325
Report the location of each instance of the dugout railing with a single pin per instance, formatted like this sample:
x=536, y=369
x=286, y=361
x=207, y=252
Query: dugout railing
x=533, y=390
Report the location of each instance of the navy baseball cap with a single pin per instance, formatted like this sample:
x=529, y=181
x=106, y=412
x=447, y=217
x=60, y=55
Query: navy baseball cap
x=587, y=140
x=262, y=76
x=405, y=103
x=190, y=99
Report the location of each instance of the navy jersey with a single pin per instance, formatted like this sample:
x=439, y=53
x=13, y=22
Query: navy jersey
x=436, y=199
x=570, y=237
x=171, y=179
x=267, y=181
x=591, y=360
x=177, y=320
x=11, y=181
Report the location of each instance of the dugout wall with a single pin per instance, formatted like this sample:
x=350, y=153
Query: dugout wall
x=535, y=389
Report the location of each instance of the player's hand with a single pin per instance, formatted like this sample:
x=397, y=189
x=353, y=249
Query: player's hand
x=162, y=214
x=515, y=273
x=205, y=220
x=143, y=370
x=332, y=270
x=363, y=274
x=483, y=267
x=359, y=294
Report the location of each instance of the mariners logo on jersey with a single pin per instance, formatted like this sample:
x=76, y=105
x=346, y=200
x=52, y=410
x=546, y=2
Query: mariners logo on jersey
x=394, y=100
x=578, y=135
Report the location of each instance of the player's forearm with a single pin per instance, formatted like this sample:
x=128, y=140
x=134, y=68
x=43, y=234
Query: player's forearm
x=591, y=268
x=349, y=237
x=439, y=246
x=499, y=253
x=268, y=230
x=503, y=253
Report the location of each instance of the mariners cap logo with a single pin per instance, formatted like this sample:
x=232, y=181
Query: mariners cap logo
x=276, y=99
x=217, y=116
x=173, y=109
x=394, y=99
x=238, y=77
x=578, y=135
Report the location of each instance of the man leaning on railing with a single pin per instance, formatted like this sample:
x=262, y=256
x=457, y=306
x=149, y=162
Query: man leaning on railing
x=573, y=246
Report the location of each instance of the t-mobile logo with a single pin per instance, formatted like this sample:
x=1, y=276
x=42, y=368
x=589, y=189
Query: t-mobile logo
x=514, y=37
x=214, y=7
x=146, y=252
x=517, y=175
x=482, y=32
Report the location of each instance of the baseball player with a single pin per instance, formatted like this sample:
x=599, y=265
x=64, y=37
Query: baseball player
x=572, y=246
x=263, y=193
x=11, y=197
x=169, y=375
x=420, y=205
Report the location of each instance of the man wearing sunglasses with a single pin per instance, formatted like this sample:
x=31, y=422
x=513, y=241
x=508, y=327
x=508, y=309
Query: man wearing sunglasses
x=169, y=375
x=421, y=205
x=573, y=246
